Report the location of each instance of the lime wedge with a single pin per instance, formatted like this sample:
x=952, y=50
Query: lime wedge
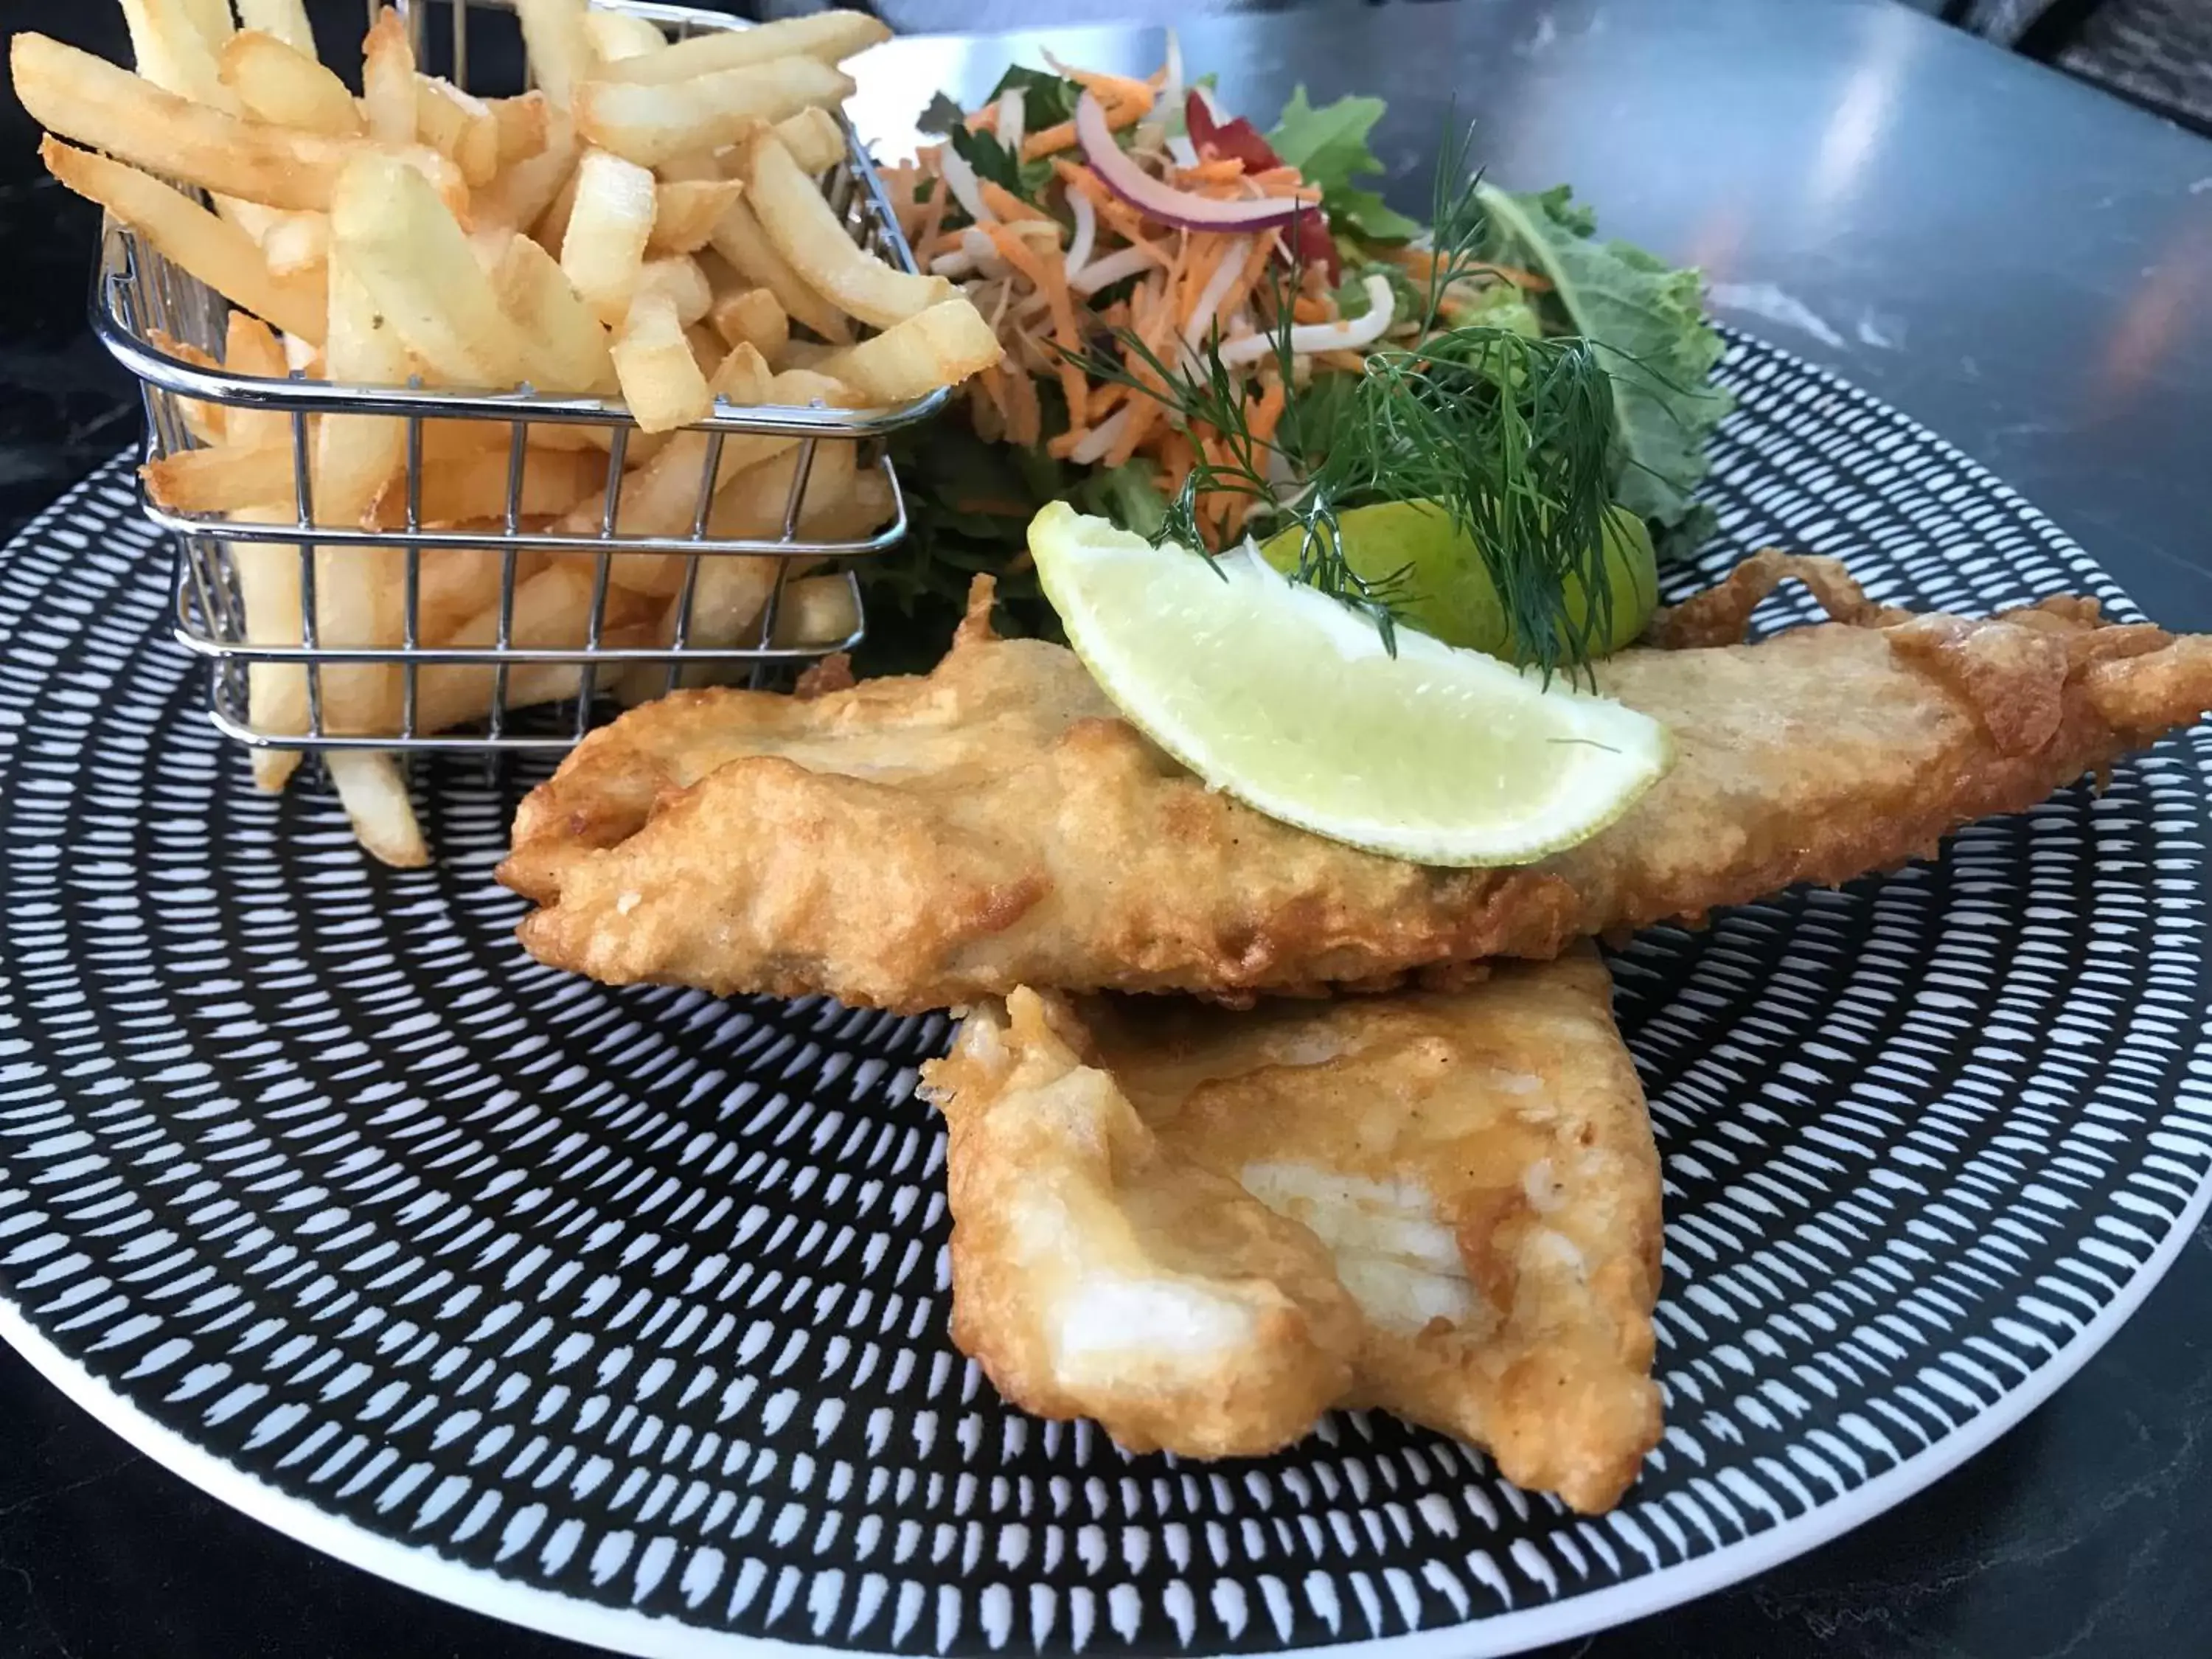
x=1285, y=699
x=1452, y=596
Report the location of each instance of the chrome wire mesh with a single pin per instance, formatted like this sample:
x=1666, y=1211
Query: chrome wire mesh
x=144, y=309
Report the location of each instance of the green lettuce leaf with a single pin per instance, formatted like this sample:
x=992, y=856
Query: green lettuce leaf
x=1650, y=318
x=1329, y=145
x=1047, y=100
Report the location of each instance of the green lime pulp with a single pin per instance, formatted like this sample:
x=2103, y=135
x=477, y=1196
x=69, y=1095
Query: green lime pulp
x=1451, y=595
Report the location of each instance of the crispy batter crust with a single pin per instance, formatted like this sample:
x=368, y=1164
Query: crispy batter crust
x=916, y=843
x=1476, y=1169
x=1095, y=1274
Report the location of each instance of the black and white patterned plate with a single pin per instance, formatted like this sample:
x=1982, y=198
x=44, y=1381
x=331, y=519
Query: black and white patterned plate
x=622, y=1312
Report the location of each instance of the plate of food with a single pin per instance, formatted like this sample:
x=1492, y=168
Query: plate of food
x=1392, y=948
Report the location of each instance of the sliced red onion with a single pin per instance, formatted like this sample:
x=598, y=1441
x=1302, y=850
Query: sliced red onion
x=1156, y=199
x=960, y=178
x=1344, y=336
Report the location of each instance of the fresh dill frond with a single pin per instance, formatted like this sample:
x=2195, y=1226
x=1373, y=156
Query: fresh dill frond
x=1513, y=437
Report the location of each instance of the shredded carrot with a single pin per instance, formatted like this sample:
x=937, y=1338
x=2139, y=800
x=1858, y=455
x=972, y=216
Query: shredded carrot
x=1024, y=419
x=1265, y=414
x=1116, y=88
x=1175, y=460
x=1278, y=176
x=1116, y=315
x=1210, y=172
x=1008, y=205
x=993, y=379
x=1307, y=309
x=934, y=220
x=1046, y=271
x=1102, y=400
x=1049, y=141
x=1289, y=190
x=1350, y=361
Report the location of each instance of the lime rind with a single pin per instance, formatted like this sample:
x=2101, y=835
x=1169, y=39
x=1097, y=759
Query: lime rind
x=1288, y=700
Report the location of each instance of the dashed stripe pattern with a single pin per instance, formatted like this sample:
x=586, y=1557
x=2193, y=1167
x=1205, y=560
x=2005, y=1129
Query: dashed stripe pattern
x=639, y=1296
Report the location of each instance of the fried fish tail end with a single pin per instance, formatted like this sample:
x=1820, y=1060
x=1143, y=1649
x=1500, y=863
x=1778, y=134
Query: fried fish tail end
x=1473, y=1172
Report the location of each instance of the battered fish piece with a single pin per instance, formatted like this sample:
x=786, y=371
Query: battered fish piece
x=1474, y=1168
x=916, y=843
x=1096, y=1273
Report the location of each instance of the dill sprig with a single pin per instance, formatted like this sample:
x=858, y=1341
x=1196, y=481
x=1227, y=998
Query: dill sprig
x=1512, y=437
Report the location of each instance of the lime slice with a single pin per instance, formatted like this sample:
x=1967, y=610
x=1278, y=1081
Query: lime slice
x=1452, y=595
x=1288, y=700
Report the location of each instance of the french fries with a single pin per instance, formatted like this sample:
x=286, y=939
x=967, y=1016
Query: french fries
x=646, y=224
x=751, y=316
x=82, y=98
x=685, y=212
x=413, y=257
x=607, y=226
x=218, y=253
x=815, y=140
x=660, y=379
x=656, y=123
x=830, y=37
x=278, y=83
x=817, y=247
x=941, y=346
x=739, y=239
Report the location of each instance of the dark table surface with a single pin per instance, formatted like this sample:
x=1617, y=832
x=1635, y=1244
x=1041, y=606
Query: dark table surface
x=2020, y=262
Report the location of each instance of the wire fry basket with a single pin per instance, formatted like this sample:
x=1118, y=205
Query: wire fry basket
x=513, y=687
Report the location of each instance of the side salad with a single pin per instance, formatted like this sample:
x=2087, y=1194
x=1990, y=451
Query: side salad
x=1215, y=333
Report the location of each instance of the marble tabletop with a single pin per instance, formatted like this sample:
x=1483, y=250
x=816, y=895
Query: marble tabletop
x=2019, y=261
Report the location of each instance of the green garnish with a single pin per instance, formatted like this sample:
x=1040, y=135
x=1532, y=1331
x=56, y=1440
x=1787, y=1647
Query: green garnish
x=1511, y=436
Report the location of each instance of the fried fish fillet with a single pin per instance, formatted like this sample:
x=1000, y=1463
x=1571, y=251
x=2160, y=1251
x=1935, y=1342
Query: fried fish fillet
x=1202, y=1227
x=916, y=843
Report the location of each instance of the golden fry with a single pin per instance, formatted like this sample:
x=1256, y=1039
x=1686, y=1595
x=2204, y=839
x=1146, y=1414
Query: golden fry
x=660, y=381
x=219, y=254
x=815, y=243
x=739, y=239
x=412, y=257
x=81, y=97
x=751, y=316
x=941, y=346
x=650, y=124
x=829, y=37
x=686, y=212
x=278, y=83
x=602, y=244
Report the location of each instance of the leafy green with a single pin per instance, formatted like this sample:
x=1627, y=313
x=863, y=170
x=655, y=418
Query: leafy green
x=1649, y=319
x=1500, y=305
x=1129, y=495
x=1329, y=145
x=942, y=116
x=1047, y=100
x=1351, y=292
x=1001, y=166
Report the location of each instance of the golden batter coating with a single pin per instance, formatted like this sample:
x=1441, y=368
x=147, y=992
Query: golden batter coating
x=918, y=842
x=1474, y=1169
